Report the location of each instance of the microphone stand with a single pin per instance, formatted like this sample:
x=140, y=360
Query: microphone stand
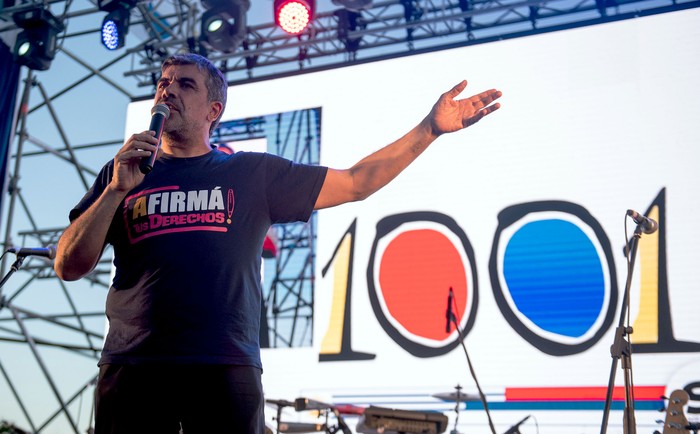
x=342, y=426
x=15, y=266
x=453, y=318
x=280, y=404
x=457, y=401
x=621, y=349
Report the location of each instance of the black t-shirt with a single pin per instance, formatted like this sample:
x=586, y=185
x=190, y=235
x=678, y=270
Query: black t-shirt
x=187, y=247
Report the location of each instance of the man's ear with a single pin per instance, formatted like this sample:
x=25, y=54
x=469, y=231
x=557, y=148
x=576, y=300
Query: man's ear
x=215, y=109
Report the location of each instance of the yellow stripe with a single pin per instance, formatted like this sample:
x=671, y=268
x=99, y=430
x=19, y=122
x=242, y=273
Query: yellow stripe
x=646, y=325
x=332, y=341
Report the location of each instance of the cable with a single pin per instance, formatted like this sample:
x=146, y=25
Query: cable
x=469, y=362
x=629, y=308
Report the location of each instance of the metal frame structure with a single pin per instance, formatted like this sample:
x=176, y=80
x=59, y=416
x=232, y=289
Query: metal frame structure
x=289, y=294
x=388, y=29
x=69, y=330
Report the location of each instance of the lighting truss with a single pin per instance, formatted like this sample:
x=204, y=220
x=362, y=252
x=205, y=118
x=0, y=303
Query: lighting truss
x=385, y=30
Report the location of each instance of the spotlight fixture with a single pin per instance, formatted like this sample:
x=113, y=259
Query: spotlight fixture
x=294, y=16
x=35, y=46
x=412, y=11
x=353, y=5
x=349, y=21
x=115, y=25
x=224, y=24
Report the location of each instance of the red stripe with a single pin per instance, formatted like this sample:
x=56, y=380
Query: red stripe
x=183, y=229
x=594, y=393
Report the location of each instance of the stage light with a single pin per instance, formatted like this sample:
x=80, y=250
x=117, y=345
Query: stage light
x=115, y=24
x=293, y=16
x=349, y=21
x=353, y=5
x=224, y=24
x=412, y=11
x=35, y=46
x=112, y=5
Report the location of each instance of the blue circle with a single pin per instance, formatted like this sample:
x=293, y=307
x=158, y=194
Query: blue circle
x=555, y=277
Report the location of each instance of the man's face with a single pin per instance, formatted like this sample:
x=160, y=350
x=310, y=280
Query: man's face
x=183, y=89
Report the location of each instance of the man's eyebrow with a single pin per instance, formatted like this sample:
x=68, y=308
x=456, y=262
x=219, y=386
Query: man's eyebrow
x=186, y=80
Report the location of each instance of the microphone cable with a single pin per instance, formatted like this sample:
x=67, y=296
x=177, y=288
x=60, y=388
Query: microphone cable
x=469, y=362
x=628, y=319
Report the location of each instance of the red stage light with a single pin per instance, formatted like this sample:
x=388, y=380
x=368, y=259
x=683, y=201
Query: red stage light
x=293, y=16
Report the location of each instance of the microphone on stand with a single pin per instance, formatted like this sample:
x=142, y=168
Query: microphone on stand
x=159, y=113
x=448, y=312
x=280, y=402
x=648, y=226
x=301, y=404
x=515, y=429
x=46, y=252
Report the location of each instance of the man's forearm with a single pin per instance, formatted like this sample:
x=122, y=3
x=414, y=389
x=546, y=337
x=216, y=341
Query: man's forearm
x=376, y=170
x=81, y=245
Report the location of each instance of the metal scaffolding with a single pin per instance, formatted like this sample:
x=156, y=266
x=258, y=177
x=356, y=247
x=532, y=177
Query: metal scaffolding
x=289, y=273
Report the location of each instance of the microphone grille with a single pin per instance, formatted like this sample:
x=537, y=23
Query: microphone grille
x=162, y=109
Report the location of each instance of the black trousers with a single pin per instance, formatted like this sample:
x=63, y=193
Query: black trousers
x=165, y=399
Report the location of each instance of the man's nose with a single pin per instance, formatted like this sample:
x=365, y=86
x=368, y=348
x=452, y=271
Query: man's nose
x=167, y=90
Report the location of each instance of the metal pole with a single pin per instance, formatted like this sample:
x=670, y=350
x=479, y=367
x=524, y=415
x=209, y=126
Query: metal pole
x=63, y=135
x=14, y=178
x=40, y=361
x=17, y=398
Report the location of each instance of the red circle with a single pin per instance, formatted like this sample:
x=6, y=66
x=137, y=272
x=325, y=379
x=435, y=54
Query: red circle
x=416, y=271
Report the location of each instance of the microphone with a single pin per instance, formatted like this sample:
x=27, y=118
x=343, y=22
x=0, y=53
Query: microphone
x=46, y=252
x=448, y=312
x=515, y=429
x=649, y=226
x=159, y=113
x=301, y=404
x=280, y=402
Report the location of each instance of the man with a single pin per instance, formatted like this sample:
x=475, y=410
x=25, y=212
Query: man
x=182, y=350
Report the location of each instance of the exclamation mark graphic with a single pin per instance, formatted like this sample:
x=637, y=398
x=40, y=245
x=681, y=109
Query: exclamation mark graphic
x=229, y=206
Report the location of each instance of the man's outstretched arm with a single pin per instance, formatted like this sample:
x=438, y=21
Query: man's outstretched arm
x=378, y=169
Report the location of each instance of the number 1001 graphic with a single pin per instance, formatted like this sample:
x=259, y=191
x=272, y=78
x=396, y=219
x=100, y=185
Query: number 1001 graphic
x=551, y=270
